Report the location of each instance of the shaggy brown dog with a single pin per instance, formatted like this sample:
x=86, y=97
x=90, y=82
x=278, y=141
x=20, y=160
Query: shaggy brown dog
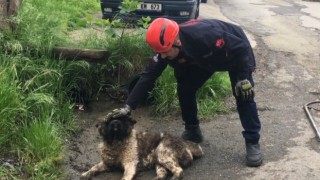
x=125, y=148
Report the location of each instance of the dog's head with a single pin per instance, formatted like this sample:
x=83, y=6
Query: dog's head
x=116, y=129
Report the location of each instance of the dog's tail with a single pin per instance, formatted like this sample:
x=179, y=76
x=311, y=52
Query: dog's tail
x=195, y=149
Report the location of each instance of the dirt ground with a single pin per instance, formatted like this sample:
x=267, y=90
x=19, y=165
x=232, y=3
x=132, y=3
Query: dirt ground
x=285, y=37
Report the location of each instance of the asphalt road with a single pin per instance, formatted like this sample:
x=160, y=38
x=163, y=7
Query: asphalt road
x=285, y=37
x=286, y=41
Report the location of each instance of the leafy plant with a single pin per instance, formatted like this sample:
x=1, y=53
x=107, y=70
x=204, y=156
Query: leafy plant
x=125, y=40
x=128, y=6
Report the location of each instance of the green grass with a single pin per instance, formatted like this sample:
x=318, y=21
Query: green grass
x=11, y=108
x=164, y=94
x=35, y=112
x=129, y=52
x=209, y=96
x=41, y=148
x=40, y=139
x=44, y=24
x=6, y=173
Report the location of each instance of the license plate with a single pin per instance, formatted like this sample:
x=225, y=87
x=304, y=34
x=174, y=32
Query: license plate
x=150, y=7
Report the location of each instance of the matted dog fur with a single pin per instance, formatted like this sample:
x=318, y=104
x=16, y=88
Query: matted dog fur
x=123, y=147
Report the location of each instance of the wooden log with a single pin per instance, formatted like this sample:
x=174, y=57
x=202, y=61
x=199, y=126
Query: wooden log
x=90, y=55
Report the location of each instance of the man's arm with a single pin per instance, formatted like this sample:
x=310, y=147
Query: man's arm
x=144, y=85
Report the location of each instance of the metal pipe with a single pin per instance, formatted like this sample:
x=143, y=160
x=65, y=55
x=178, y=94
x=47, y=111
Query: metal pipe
x=312, y=121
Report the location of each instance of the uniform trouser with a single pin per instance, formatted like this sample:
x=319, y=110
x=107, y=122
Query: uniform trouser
x=188, y=84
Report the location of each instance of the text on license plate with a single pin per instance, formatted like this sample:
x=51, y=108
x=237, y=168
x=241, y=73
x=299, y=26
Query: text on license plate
x=150, y=6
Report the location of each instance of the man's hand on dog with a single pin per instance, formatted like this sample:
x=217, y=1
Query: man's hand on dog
x=126, y=110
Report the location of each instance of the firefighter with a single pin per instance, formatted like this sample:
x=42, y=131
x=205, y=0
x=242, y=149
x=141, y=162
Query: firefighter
x=196, y=50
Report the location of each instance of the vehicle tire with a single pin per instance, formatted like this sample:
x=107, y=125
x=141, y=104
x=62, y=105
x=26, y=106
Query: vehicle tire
x=204, y=1
x=197, y=11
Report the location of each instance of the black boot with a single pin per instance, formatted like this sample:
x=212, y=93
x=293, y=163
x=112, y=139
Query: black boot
x=192, y=133
x=254, y=157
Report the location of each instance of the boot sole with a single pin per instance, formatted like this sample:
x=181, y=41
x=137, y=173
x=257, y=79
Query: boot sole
x=254, y=163
x=194, y=140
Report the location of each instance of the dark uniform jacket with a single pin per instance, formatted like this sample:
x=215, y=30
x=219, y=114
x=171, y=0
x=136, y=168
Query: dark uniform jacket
x=213, y=45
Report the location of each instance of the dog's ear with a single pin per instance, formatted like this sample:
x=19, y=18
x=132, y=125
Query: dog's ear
x=108, y=117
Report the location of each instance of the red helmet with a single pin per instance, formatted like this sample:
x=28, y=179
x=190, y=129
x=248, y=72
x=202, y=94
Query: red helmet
x=161, y=34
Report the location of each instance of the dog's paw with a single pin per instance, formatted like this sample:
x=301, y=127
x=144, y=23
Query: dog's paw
x=159, y=178
x=85, y=176
x=176, y=178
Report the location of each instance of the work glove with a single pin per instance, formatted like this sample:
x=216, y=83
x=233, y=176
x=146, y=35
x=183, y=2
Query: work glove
x=126, y=110
x=244, y=89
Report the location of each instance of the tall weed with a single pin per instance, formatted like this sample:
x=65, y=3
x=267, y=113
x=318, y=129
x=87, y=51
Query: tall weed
x=11, y=108
x=209, y=96
x=40, y=139
x=129, y=53
x=164, y=94
x=40, y=148
x=36, y=112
